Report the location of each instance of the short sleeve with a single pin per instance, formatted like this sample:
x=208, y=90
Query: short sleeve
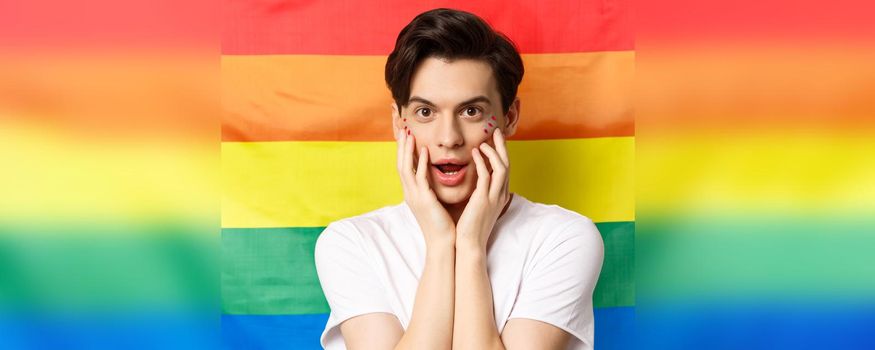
x=348, y=279
x=558, y=288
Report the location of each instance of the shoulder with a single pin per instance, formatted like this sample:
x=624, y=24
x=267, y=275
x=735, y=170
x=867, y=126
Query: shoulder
x=562, y=226
x=561, y=236
x=351, y=232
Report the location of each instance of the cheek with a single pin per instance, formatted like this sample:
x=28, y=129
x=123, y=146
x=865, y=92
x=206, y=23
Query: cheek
x=405, y=126
x=490, y=124
x=484, y=134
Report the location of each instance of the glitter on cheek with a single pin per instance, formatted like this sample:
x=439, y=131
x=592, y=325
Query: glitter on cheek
x=489, y=125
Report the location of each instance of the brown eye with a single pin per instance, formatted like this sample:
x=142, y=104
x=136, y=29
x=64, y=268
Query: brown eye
x=471, y=111
x=425, y=112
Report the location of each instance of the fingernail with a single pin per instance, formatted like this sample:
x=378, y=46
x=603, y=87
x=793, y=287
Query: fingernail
x=408, y=132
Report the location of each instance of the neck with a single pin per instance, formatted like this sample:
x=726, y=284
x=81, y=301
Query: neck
x=456, y=210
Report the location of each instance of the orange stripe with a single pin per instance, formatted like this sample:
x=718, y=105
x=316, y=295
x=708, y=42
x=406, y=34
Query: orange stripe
x=344, y=98
x=768, y=86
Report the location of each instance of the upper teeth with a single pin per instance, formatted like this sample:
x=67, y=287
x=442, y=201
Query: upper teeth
x=447, y=171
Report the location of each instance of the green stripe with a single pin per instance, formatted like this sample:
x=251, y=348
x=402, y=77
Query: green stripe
x=616, y=286
x=271, y=271
x=774, y=256
x=98, y=266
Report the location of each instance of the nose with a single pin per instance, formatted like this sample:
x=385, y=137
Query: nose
x=449, y=133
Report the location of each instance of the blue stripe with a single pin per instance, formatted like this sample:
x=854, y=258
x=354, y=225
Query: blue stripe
x=133, y=330
x=614, y=327
x=273, y=331
x=756, y=325
x=613, y=330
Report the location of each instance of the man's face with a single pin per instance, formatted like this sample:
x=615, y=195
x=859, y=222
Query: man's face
x=450, y=111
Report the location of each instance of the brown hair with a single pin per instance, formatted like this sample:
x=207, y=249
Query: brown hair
x=451, y=34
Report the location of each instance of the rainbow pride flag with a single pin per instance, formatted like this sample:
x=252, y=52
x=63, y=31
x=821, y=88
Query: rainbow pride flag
x=750, y=225
x=306, y=140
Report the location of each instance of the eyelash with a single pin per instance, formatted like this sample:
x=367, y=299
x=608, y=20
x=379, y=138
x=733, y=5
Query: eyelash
x=464, y=110
x=421, y=109
x=479, y=111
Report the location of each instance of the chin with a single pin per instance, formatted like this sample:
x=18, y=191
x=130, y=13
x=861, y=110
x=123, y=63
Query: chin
x=453, y=195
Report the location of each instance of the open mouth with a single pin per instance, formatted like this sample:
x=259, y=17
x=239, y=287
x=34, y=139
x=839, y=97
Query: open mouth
x=450, y=174
x=449, y=169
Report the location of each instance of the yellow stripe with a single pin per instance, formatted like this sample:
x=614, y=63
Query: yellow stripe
x=280, y=184
x=57, y=175
x=763, y=173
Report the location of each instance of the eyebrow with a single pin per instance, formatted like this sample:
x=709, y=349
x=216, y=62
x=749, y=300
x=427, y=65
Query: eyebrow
x=480, y=98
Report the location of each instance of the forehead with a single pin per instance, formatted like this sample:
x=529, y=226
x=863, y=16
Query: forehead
x=446, y=82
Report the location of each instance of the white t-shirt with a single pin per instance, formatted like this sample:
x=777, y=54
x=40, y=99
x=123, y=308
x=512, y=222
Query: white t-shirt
x=543, y=262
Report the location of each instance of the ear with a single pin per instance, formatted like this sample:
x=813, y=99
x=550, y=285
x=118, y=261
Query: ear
x=512, y=117
x=396, y=120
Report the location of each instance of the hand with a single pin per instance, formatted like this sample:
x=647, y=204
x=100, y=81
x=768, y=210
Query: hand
x=489, y=198
x=436, y=224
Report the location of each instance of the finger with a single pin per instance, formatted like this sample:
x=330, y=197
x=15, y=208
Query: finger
x=506, y=187
x=499, y=172
x=482, y=173
x=402, y=142
x=422, y=168
x=407, y=162
x=400, y=152
x=500, y=146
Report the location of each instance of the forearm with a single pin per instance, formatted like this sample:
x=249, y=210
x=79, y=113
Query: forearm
x=431, y=325
x=474, y=326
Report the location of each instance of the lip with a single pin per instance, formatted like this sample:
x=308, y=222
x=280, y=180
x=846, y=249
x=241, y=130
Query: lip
x=455, y=161
x=449, y=180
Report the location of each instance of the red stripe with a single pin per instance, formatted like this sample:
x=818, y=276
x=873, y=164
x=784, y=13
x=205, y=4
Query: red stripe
x=360, y=27
x=97, y=25
x=748, y=21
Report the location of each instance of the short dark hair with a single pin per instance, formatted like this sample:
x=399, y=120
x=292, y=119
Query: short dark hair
x=451, y=34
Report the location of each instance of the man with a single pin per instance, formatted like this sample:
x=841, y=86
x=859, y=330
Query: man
x=462, y=263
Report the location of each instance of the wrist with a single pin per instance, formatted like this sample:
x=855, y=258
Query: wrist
x=440, y=245
x=470, y=247
x=440, y=255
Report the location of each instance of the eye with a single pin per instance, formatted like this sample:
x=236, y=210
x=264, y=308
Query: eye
x=471, y=112
x=423, y=112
